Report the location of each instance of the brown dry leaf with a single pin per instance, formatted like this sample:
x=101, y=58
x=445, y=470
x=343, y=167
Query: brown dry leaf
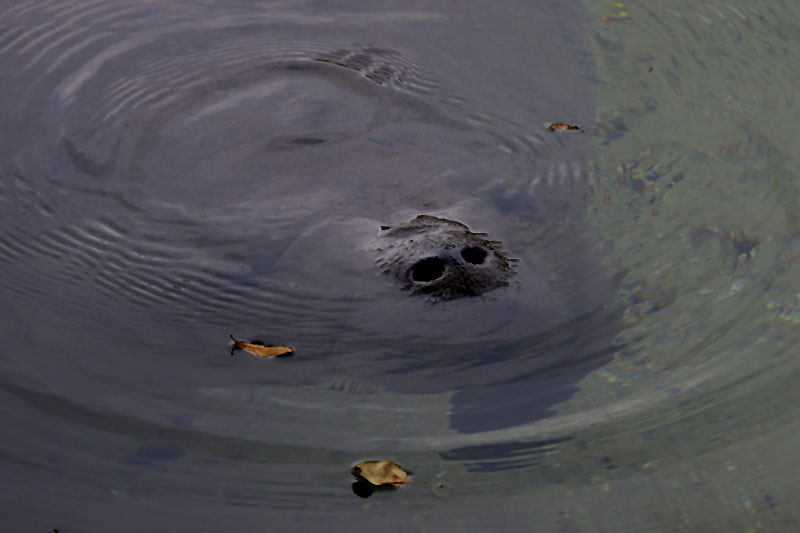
x=386, y=473
x=381, y=472
x=563, y=126
x=259, y=350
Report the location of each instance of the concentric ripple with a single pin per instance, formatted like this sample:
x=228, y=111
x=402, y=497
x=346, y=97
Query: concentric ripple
x=172, y=172
x=175, y=172
x=180, y=140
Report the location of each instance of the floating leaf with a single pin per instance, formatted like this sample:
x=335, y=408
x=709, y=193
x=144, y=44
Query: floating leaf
x=381, y=473
x=259, y=350
x=563, y=126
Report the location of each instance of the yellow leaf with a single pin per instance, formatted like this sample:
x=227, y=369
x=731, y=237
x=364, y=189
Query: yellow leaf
x=259, y=350
x=381, y=473
x=563, y=126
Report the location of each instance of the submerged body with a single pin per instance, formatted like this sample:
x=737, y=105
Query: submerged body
x=246, y=181
x=511, y=326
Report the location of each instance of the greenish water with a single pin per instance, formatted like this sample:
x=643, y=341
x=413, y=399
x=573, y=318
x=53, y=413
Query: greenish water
x=698, y=412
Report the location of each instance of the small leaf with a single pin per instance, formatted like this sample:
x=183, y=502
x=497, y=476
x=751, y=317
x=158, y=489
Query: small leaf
x=259, y=350
x=381, y=473
x=563, y=126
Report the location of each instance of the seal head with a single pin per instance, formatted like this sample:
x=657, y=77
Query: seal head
x=443, y=258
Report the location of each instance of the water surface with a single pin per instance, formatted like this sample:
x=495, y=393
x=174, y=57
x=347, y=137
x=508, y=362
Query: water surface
x=174, y=172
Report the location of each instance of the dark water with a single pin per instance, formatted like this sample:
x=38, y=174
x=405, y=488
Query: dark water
x=173, y=172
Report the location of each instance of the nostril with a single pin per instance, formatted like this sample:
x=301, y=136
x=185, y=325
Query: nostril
x=428, y=269
x=474, y=255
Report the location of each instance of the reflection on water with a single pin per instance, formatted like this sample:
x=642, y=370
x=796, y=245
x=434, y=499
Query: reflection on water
x=176, y=172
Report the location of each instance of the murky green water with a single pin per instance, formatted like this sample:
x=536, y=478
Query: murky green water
x=697, y=414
